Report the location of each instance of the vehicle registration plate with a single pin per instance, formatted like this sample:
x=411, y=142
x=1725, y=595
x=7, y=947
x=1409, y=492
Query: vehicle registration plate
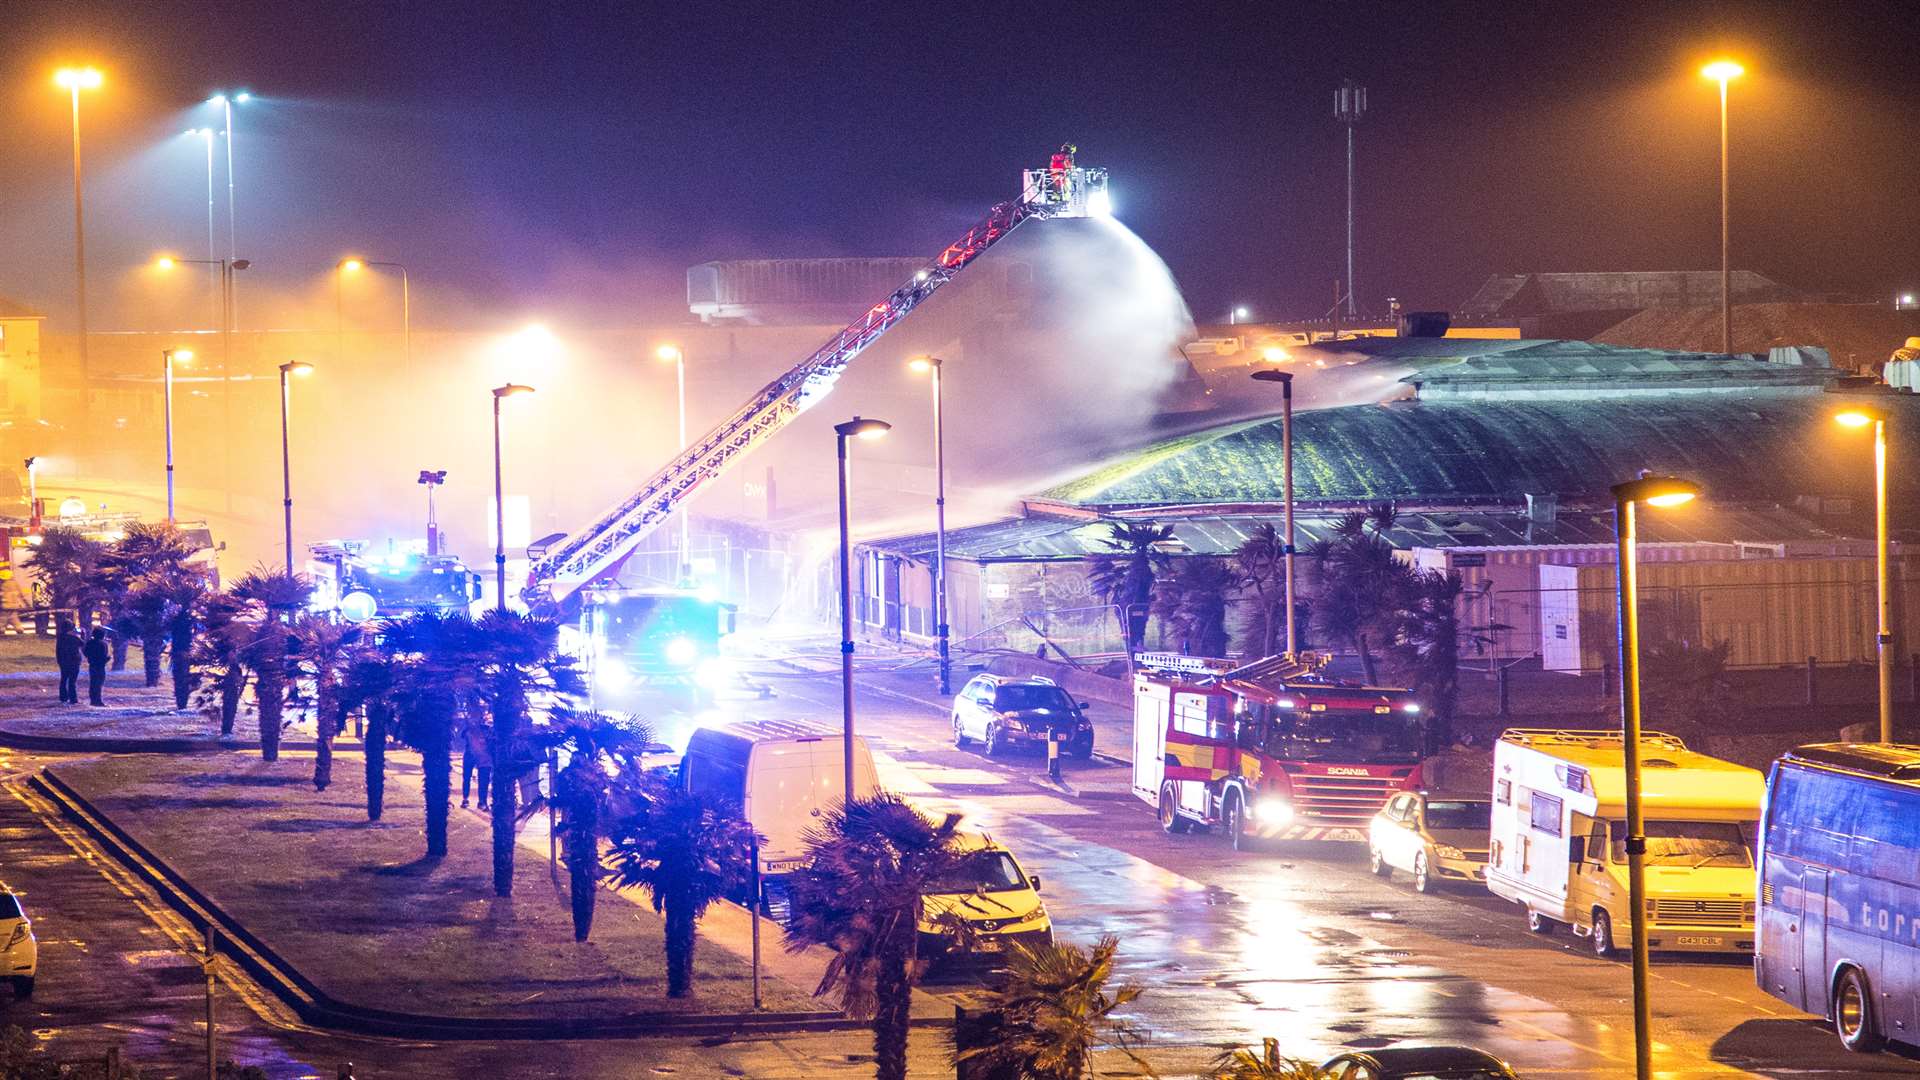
x=1696, y=939
x=987, y=944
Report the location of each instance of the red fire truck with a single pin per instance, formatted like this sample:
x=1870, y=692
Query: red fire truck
x=1271, y=749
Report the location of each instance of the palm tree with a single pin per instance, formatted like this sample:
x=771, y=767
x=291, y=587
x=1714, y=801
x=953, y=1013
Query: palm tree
x=1261, y=563
x=600, y=755
x=1425, y=649
x=868, y=864
x=1053, y=1011
x=1361, y=581
x=518, y=655
x=687, y=849
x=149, y=578
x=1125, y=577
x=434, y=677
x=325, y=650
x=368, y=684
x=272, y=598
x=221, y=643
x=67, y=563
x=1245, y=1063
x=1191, y=600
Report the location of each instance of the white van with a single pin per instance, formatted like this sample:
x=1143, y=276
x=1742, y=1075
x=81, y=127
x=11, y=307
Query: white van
x=782, y=775
x=1558, y=839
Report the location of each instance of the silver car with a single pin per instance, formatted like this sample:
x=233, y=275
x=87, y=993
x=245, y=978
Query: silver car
x=20, y=959
x=1003, y=711
x=1432, y=836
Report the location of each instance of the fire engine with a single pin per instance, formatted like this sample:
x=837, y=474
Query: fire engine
x=359, y=585
x=669, y=638
x=1271, y=749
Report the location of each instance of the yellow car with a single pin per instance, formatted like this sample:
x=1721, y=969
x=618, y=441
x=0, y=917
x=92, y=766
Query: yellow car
x=997, y=901
x=1436, y=838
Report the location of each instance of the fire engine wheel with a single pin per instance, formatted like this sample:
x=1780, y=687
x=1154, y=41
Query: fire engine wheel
x=1853, y=1018
x=1603, y=935
x=959, y=732
x=1422, y=879
x=1170, y=819
x=1539, y=923
x=1234, y=820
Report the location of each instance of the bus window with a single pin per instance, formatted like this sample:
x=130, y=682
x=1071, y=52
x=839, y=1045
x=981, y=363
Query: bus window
x=1885, y=835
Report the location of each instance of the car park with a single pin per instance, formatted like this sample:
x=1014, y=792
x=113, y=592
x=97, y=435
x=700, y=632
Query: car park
x=20, y=959
x=1418, y=1063
x=1003, y=711
x=1435, y=837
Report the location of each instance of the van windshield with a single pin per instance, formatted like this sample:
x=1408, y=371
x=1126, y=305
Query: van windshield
x=981, y=871
x=1688, y=843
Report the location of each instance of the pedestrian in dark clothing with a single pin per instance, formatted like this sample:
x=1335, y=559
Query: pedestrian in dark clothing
x=69, y=649
x=476, y=756
x=98, y=654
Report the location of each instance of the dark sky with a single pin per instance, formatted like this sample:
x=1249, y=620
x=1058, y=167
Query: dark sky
x=508, y=151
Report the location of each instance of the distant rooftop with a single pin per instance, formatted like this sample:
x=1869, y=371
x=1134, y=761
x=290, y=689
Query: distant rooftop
x=14, y=309
x=1521, y=295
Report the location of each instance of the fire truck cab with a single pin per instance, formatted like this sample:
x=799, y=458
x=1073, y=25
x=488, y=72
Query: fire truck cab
x=1269, y=750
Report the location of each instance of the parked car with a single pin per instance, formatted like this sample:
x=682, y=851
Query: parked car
x=1419, y=1063
x=1002, y=711
x=21, y=958
x=1435, y=837
x=996, y=899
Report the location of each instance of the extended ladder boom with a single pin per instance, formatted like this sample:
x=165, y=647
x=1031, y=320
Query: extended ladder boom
x=599, y=548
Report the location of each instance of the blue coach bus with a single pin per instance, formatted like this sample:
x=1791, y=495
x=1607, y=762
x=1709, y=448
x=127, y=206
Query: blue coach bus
x=1839, y=913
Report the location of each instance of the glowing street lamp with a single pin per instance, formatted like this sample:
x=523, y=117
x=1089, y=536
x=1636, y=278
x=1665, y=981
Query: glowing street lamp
x=500, y=498
x=1662, y=492
x=1724, y=72
x=228, y=268
x=678, y=358
x=856, y=428
x=932, y=364
x=75, y=80
x=167, y=358
x=352, y=265
x=1238, y=315
x=293, y=367
x=1859, y=415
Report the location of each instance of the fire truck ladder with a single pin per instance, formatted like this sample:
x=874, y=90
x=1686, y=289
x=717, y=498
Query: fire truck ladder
x=597, y=549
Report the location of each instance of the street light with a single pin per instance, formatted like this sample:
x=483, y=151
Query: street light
x=432, y=478
x=353, y=265
x=294, y=367
x=1661, y=492
x=1724, y=72
x=860, y=429
x=167, y=357
x=1859, y=415
x=932, y=364
x=500, y=499
x=1237, y=315
x=678, y=358
x=75, y=80
x=1285, y=379
x=226, y=103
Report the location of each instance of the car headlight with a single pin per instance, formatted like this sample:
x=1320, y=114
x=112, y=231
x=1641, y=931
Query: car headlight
x=1012, y=723
x=1273, y=811
x=19, y=935
x=682, y=651
x=1448, y=851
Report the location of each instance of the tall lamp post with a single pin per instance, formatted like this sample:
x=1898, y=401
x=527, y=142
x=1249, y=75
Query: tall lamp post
x=932, y=364
x=678, y=357
x=1285, y=379
x=292, y=367
x=1723, y=72
x=500, y=498
x=167, y=357
x=1349, y=105
x=75, y=80
x=857, y=428
x=1859, y=416
x=349, y=266
x=226, y=103
x=1661, y=492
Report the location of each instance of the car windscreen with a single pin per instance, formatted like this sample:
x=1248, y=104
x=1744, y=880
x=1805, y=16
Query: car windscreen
x=1459, y=814
x=1020, y=696
x=1688, y=843
x=981, y=871
x=9, y=907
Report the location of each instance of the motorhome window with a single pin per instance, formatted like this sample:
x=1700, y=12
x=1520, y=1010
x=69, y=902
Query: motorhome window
x=1447, y=814
x=1545, y=816
x=980, y=871
x=1503, y=792
x=1688, y=843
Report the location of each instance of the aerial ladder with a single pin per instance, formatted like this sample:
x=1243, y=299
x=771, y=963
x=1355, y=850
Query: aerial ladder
x=1064, y=189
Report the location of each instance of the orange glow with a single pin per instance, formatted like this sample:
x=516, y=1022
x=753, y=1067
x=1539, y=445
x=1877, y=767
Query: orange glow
x=87, y=78
x=165, y=262
x=352, y=265
x=1722, y=70
x=1670, y=498
x=670, y=353
x=1274, y=354
x=1855, y=418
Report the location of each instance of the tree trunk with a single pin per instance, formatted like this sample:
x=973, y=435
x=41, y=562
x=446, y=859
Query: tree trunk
x=120, y=644
x=233, y=687
x=153, y=646
x=893, y=997
x=583, y=867
x=376, y=752
x=270, y=696
x=507, y=708
x=1366, y=659
x=680, y=938
x=325, y=725
x=182, y=657
x=436, y=763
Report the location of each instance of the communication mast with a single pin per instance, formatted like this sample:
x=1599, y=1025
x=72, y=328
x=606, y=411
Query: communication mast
x=1349, y=105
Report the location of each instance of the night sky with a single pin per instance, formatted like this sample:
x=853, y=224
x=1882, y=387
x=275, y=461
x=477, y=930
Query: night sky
x=521, y=155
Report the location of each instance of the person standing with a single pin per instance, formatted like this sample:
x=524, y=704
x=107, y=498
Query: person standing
x=98, y=654
x=475, y=757
x=69, y=649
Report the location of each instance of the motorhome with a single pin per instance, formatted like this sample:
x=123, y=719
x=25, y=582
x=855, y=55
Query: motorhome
x=1558, y=839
